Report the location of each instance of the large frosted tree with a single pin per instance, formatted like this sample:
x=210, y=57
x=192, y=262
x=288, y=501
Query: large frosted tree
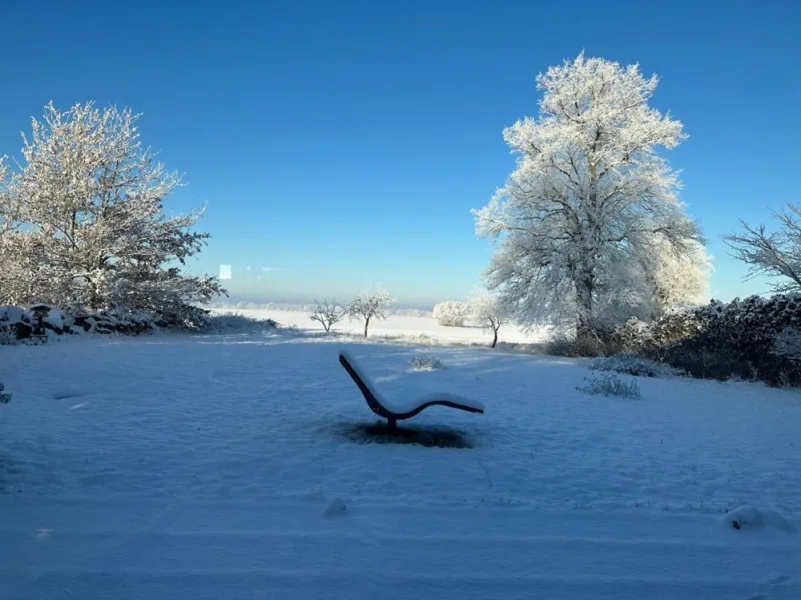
x=86, y=222
x=589, y=193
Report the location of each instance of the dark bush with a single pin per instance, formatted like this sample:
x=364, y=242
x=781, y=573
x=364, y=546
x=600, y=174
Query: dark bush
x=720, y=341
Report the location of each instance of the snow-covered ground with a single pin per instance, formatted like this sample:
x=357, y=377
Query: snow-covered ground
x=396, y=326
x=216, y=467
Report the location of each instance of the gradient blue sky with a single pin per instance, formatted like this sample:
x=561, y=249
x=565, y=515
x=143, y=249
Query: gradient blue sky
x=342, y=144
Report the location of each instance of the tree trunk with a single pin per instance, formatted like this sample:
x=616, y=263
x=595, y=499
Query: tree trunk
x=495, y=338
x=366, y=323
x=585, y=327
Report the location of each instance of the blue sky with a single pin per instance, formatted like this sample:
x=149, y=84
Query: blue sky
x=342, y=144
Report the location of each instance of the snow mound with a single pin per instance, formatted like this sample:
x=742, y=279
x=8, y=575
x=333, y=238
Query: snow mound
x=336, y=508
x=751, y=517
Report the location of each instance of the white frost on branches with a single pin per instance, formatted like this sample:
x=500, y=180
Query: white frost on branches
x=661, y=280
x=788, y=343
x=86, y=223
x=776, y=254
x=328, y=313
x=368, y=305
x=679, y=279
x=589, y=193
x=450, y=313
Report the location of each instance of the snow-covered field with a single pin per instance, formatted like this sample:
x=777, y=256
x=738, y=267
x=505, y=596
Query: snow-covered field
x=204, y=467
x=396, y=326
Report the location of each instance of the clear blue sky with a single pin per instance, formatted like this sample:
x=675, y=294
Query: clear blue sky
x=341, y=144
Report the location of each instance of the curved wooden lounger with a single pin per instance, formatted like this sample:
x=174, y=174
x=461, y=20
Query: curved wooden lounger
x=380, y=406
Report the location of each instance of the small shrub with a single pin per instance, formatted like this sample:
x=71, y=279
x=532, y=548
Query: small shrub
x=426, y=363
x=631, y=364
x=609, y=384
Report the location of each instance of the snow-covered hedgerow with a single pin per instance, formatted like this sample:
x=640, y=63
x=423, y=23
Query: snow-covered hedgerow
x=451, y=314
x=17, y=323
x=747, y=339
x=632, y=364
x=238, y=323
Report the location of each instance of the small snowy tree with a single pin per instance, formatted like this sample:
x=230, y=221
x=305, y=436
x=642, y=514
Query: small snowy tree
x=490, y=312
x=451, y=314
x=776, y=254
x=88, y=217
x=369, y=305
x=589, y=193
x=327, y=313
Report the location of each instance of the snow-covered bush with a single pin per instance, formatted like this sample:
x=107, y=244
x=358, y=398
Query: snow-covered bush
x=632, y=364
x=328, y=313
x=451, y=314
x=369, y=305
x=18, y=322
x=609, y=384
x=238, y=323
x=426, y=363
x=4, y=397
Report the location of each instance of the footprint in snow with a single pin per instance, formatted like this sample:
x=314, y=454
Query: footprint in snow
x=337, y=507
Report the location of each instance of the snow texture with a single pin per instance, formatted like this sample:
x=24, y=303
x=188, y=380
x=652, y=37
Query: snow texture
x=203, y=467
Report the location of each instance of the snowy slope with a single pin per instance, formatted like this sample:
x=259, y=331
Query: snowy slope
x=202, y=467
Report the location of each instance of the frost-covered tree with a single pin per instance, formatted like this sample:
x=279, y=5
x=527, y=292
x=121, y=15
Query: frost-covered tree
x=776, y=254
x=88, y=216
x=490, y=312
x=4, y=195
x=327, y=313
x=679, y=279
x=660, y=280
x=369, y=305
x=588, y=194
x=450, y=313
